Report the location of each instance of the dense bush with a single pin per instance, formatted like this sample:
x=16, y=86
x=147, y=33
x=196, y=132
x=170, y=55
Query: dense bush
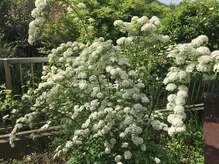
x=104, y=94
x=105, y=101
x=190, y=144
x=193, y=18
x=97, y=18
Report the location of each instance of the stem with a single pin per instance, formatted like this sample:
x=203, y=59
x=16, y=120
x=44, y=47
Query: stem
x=79, y=16
x=133, y=57
x=98, y=79
x=67, y=116
x=108, y=82
x=155, y=101
x=63, y=114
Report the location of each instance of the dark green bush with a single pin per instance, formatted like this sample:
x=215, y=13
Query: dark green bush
x=14, y=21
x=192, y=19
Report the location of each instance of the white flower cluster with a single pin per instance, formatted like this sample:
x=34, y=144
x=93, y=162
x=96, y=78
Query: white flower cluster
x=215, y=57
x=142, y=27
x=199, y=41
x=27, y=119
x=39, y=18
x=104, y=109
x=157, y=124
x=157, y=160
x=188, y=58
x=101, y=90
x=136, y=24
x=176, y=103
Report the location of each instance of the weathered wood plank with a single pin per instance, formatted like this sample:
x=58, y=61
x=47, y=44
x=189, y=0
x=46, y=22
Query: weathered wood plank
x=24, y=144
x=32, y=75
x=7, y=74
x=195, y=107
x=21, y=77
x=5, y=137
x=25, y=60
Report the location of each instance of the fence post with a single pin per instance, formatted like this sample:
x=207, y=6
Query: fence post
x=7, y=74
x=211, y=128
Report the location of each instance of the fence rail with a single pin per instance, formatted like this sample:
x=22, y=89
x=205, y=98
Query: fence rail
x=9, y=62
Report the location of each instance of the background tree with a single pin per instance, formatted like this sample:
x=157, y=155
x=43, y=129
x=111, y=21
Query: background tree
x=191, y=19
x=14, y=19
x=100, y=16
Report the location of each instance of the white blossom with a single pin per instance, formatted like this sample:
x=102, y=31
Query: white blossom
x=203, y=51
x=215, y=55
x=144, y=99
x=107, y=150
x=143, y=147
x=142, y=20
x=157, y=160
x=137, y=140
x=127, y=155
x=216, y=67
x=171, y=87
x=199, y=41
x=118, y=158
x=148, y=27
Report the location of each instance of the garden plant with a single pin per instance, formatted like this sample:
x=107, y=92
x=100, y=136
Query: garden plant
x=105, y=94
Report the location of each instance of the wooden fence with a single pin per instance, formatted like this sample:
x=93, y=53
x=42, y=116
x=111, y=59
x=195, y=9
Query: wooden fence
x=13, y=72
x=9, y=63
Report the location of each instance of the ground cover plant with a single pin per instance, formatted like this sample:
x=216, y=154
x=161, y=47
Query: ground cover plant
x=104, y=94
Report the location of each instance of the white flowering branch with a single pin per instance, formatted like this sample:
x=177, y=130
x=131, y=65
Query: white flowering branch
x=189, y=58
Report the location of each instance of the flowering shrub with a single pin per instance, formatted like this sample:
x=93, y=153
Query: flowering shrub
x=62, y=23
x=189, y=58
x=97, y=90
x=191, y=19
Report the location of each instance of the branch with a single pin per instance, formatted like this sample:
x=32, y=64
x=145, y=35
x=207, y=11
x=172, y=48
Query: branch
x=79, y=16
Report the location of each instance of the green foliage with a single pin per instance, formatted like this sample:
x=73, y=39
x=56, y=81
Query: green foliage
x=15, y=105
x=37, y=157
x=5, y=98
x=186, y=148
x=63, y=25
x=7, y=49
x=106, y=12
x=189, y=144
x=14, y=20
x=9, y=103
x=191, y=19
x=92, y=151
x=60, y=27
